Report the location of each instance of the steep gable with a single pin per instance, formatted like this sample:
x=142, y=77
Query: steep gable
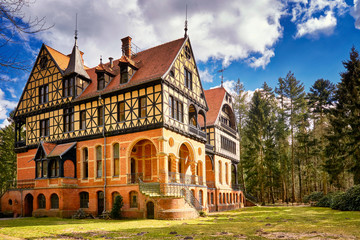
x=214, y=98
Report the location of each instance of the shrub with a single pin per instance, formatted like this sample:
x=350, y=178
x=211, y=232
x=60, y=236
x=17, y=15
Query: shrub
x=351, y=199
x=116, y=209
x=202, y=213
x=313, y=197
x=325, y=201
x=337, y=202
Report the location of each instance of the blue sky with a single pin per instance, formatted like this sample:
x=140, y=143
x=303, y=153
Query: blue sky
x=256, y=41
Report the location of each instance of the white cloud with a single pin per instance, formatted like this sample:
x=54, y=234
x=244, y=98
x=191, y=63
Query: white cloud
x=205, y=76
x=229, y=85
x=12, y=92
x=315, y=26
x=227, y=32
x=355, y=12
x=6, y=78
x=4, y=123
x=263, y=60
x=5, y=105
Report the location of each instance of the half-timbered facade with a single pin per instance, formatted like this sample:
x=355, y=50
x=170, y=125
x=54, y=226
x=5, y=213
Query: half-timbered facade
x=140, y=126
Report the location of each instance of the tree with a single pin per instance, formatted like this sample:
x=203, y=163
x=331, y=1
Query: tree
x=116, y=209
x=14, y=28
x=343, y=150
x=294, y=103
x=7, y=156
x=241, y=110
x=321, y=97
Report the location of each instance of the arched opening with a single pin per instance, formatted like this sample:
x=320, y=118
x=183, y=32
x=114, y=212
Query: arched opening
x=100, y=202
x=212, y=198
x=200, y=172
x=220, y=172
x=41, y=201
x=143, y=161
x=201, y=197
x=29, y=201
x=150, y=210
x=133, y=196
x=193, y=116
x=202, y=120
x=219, y=198
x=186, y=164
x=226, y=173
x=54, y=201
x=113, y=196
x=227, y=117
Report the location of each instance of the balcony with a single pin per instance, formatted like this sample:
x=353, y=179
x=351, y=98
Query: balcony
x=197, y=132
x=174, y=177
x=133, y=178
x=228, y=128
x=210, y=184
x=209, y=147
x=19, y=144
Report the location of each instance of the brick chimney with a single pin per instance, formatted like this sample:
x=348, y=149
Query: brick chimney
x=126, y=46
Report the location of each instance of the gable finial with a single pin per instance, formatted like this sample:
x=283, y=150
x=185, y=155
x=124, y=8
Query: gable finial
x=76, y=30
x=185, y=35
x=222, y=75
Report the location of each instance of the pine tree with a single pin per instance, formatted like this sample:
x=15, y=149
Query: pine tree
x=344, y=147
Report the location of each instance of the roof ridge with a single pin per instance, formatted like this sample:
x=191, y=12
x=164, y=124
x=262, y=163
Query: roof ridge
x=160, y=45
x=56, y=50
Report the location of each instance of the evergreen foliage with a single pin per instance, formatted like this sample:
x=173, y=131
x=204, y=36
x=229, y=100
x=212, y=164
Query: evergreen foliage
x=116, y=209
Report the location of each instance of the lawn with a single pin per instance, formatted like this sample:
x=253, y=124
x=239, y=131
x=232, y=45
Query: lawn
x=247, y=223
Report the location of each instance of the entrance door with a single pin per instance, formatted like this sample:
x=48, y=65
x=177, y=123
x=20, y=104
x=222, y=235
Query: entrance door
x=100, y=200
x=29, y=199
x=150, y=210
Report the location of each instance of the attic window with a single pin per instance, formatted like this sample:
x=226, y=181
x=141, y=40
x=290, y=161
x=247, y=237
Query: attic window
x=187, y=52
x=103, y=80
x=124, y=74
x=43, y=62
x=172, y=74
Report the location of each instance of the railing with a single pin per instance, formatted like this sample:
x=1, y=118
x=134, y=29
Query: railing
x=210, y=184
x=209, y=147
x=230, y=129
x=237, y=187
x=174, y=177
x=197, y=131
x=133, y=178
x=156, y=189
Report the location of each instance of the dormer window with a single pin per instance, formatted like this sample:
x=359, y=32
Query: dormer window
x=101, y=81
x=124, y=74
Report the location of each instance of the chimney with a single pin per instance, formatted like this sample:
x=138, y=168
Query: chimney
x=111, y=62
x=126, y=46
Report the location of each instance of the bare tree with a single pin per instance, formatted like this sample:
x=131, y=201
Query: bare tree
x=15, y=27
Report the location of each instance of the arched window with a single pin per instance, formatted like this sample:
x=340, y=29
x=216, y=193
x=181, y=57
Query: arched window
x=98, y=161
x=85, y=163
x=116, y=159
x=212, y=198
x=219, y=198
x=54, y=199
x=236, y=198
x=227, y=173
x=41, y=201
x=84, y=200
x=224, y=199
x=133, y=199
x=201, y=197
x=114, y=195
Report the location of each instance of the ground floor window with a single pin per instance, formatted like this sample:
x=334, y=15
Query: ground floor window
x=133, y=200
x=84, y=200
x=41, y=201
x=54, y=201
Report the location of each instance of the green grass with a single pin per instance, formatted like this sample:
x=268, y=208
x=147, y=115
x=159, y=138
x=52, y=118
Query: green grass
x=250, y=223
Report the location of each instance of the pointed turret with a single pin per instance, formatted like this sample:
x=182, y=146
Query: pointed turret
x=76, y=64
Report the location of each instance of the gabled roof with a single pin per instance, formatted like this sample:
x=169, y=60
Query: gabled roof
x=151, y=64
x=61, y=59
x=214, y=98
x=55, y=150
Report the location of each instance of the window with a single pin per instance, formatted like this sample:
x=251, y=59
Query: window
x=176, y=109
x=227, y=173
x=101, y=81
x=68, y=119
x=43, y=94
x=84, y=200
x=228, y=145
x=212, y=198
x=54, y=168
x=101, y=116
x=172, y=74
x=124, y=74
x=114, y=195
x=41, y=201
x=68, y=87
x=38, y=169
x=82, y=119
x=116, y=159
x=142, y=107
x=44, y=168
x=133, y=200
x=44, y=128
x=121, y=111
x=219, y=198
x=188, y=79
x=54, y=201
x=85, y=163
x=220, y=172
x=98, y=161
